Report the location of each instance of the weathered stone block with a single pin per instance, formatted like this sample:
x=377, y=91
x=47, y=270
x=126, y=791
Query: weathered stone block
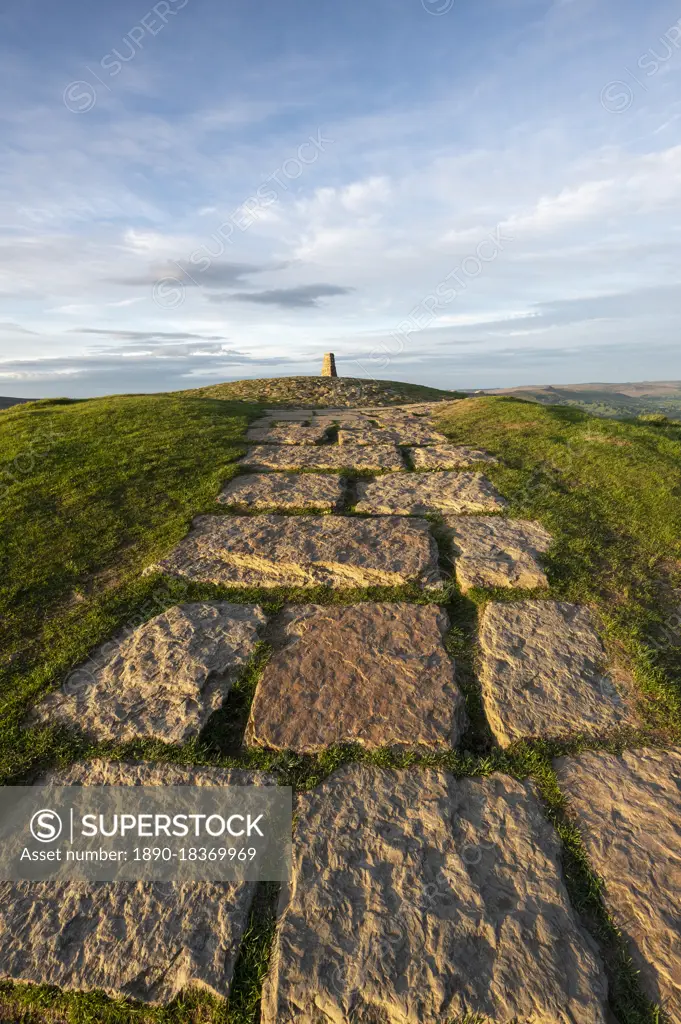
x=417, y=897
x=288, y=433
x=448, y=456
x=324, y=457
x=162, y=680
x=375, y=674
x=401, y=434
x=492, y=551
x=628, y=807
x=544, y=672
x=418, y=493
x=336, y=551
x=323, y=492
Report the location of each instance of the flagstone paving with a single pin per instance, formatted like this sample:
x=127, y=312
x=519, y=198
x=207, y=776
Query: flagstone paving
x=272, y=416
x=288, y=433
x=492, y=551
x=628, y=807
x=419, y=897
x=337, y=551
x=375, y=674
x=322, y=492
x=448, y=456
x=143, y=940
x=324, y=457
x=544, y=673
x=419, y=493
x=161, y=681
x=417, y=433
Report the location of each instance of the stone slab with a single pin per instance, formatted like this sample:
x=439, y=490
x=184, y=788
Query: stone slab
x=448, y=456
x=288, y=433
x=162, y=680
x=492, y=551
x=400, y=434
x=323, y=492
x=418, y=898
x=141, y=940
x=544, y=672
x=418, y=493
x=305, y=551
x=374, y=674
x=629, y=811
x=275, y=415
x=324, y=457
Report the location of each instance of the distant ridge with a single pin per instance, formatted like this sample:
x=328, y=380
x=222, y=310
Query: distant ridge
x=6, y=403
x=611, y=400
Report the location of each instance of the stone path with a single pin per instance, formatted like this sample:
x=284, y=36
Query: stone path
x=629, y=811
x=420, y=897
x=448, y=456
x=144, y=940
x=492, y=551
x=289, y=433
x=405, y=434
x=419, y=493
x=334, y=458
x=416, y=897
x=334, y=551
x=375, y=674
x=323, y=492
x=544, y=673
x=162, y=681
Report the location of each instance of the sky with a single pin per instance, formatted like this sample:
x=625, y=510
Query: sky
x=457, y=193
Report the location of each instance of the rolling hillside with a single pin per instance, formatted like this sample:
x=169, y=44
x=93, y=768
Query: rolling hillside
x=610, y=400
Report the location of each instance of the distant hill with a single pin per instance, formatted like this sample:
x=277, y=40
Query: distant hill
x=7, y=403
x=610, y=400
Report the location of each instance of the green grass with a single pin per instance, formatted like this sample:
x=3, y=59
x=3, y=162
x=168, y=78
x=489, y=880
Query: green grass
x=610, y=494
x=95, y=491
x=91, y=493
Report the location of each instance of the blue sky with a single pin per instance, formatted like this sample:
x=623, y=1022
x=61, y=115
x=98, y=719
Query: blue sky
x=455, y=193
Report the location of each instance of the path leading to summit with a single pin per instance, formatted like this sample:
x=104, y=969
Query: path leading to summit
x=418, y=896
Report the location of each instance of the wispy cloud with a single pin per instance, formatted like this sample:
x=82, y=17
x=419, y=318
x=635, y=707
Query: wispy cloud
x=212, y=275
x=304, y=296
x=148, y=337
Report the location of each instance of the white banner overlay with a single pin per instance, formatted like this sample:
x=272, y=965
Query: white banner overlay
x=145, y=833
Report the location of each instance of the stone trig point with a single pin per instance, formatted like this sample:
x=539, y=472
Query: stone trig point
x=329, y=365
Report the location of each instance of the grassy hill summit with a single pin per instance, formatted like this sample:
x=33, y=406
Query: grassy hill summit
x=323, y=392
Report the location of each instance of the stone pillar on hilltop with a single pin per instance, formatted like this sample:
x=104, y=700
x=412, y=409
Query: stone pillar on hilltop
x=329, y=365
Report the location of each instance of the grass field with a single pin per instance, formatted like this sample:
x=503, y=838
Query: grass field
x=94, y=491
x=90, y=493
